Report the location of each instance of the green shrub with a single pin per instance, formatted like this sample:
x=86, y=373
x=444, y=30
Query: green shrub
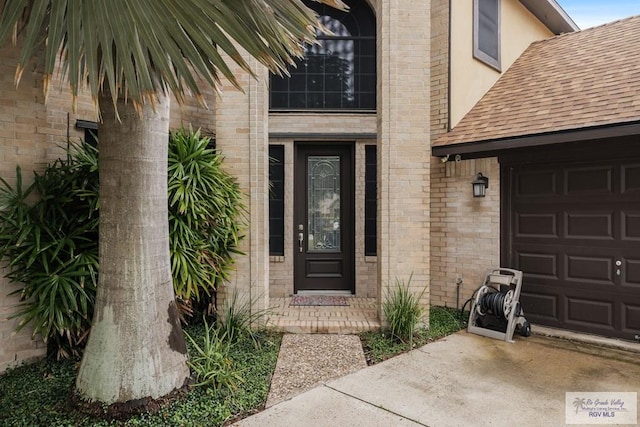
x=403, y=311
x=51, y=247
x=205, y=216
x=238, y=319
x=49, y=236
x=209, y=359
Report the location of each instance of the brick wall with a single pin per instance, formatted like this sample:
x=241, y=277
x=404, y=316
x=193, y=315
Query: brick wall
x=32, y=134
x=439, y=68
x=194, y=114
x=404, y=57
x=366, y=266
x=242, y=137
x=318, y=123
x=465, y=231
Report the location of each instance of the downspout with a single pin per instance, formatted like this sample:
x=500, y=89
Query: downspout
x=449, y=70
x=68, y=140
x=254, y=166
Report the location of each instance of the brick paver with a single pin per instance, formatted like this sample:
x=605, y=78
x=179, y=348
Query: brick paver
x=359, y=316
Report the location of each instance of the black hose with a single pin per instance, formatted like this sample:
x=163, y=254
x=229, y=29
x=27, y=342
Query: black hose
x=493, y=302
x=464, y=305
x=473, y=296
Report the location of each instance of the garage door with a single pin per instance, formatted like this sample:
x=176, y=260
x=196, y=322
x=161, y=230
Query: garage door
x=574, y=229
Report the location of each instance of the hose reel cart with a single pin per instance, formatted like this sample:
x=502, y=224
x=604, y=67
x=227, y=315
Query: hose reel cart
x=496, y=312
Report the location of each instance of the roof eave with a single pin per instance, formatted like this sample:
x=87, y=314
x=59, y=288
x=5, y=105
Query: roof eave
x=551, y=14
x=488, y=147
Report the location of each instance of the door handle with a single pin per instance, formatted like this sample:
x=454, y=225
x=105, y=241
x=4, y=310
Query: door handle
x=300, y=238
x=618, y=269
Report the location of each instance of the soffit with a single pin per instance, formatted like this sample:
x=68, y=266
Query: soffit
x=550, y=13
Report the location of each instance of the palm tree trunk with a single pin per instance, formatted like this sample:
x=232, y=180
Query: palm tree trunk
x=136, y=348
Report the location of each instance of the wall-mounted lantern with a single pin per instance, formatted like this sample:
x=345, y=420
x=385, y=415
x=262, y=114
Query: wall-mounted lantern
x=480, y=185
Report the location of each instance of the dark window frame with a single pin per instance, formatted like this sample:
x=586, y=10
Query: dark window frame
x=317, y=84
x=276, y=199
x=90, y=130
x=370, y=201
x=486, y=26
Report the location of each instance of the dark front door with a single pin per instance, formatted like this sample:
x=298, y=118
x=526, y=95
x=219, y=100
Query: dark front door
x=574, y=230
x=324, y=216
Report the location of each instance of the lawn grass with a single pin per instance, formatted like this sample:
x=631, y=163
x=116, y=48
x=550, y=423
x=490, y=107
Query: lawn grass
x=36, y=395
x=381, y=345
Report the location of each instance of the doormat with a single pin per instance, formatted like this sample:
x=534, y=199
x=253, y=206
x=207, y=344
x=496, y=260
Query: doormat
x=318, y=300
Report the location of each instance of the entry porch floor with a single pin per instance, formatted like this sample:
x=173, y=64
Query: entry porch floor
x=359, y=316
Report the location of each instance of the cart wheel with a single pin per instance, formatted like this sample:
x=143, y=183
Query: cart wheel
x=525, y=329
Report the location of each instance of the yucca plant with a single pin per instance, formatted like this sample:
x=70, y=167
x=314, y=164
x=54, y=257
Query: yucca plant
x=51, y=247
x=238, y=318
x=210, y=359
x=205, y=216
x=403, y=311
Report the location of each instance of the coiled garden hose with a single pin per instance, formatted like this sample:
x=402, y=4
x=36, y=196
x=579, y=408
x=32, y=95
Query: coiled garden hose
x=493, y=302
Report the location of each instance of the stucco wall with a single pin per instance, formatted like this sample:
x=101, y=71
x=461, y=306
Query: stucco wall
x=471, y=78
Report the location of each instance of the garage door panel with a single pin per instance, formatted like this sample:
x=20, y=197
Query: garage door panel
x=588, y=180
x=594, y=270
x=536, y=183
x=631, y=318
x=631, y=226
x=567, y=227
x=539, y=306
x=631, y=178
x=589, y=225
x=539, y=265
x=536, y=225
x=632, y=274
x=587, y=312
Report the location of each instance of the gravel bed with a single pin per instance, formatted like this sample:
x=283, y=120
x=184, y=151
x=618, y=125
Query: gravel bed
x=308, y=360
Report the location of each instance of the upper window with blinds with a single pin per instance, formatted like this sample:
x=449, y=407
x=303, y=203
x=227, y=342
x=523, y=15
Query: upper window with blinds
x=486, y=32
x=338, y=73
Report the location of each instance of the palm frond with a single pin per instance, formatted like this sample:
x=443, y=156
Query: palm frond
x=138, y=48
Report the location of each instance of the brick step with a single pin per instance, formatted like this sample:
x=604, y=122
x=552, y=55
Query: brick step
x=322, y=326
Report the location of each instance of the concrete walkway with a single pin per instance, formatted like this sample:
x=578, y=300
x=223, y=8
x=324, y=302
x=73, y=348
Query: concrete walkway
x=463, y=380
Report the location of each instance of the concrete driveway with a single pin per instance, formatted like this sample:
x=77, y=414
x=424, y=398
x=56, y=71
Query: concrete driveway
x=463, y=380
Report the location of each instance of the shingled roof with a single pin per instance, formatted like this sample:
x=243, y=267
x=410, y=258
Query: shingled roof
x=583, y=80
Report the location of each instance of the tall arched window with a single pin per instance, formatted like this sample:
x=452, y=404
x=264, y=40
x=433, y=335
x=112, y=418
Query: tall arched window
x=339, y=73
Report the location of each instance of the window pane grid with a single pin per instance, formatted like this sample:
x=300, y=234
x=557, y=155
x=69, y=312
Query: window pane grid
x=339, y=73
